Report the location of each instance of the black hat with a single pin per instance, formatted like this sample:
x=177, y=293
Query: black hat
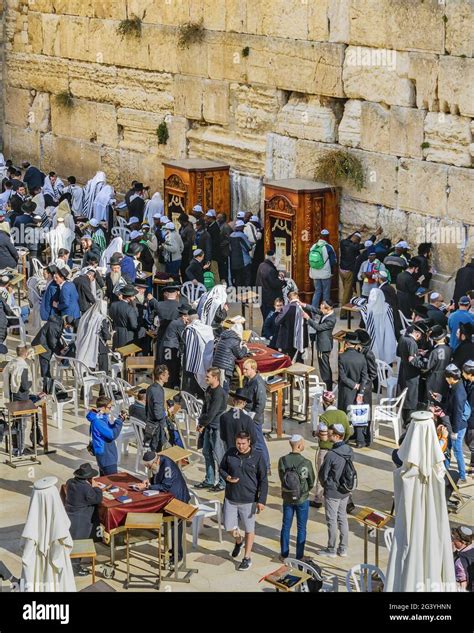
x=364, y=337
x=85, y=471
x=174, y=288
x=135, y=248
x=182, y=310
x=414, y=262
x=149, y=456
x=140, y=285
x=128, y=291
x=421, y=326
x=421, y=311
x=115, y=259
x=138, y=186
x=239, y=394
x=351, y=337
x=438, y=332
x=270, y=253
x=28, y=207
x=64, y=272
x=192, y=312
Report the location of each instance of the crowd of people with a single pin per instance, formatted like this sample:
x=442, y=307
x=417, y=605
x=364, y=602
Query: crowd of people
x=92, y=263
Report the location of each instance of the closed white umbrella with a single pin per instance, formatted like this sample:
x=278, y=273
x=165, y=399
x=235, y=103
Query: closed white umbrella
x=47, y=543
x=421, y=557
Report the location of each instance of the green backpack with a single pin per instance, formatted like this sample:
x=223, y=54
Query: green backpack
x=316, y=256
x=209, y=281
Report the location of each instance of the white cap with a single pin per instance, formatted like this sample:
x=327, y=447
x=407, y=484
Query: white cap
x=164, y=219
x=368, y=243
x=170, y=226
x=296, y=438
x=94, y=222
x=434, y=296
x=402, y=244
x=157, y=216
x=324, y=232
x=197, y=252
x=383, y=274
x=339, y=428
x=37, y=217
x=254, y=218
x=241, y=214
x=197, y=208
x=211, y=213
x=239, y=223
x=133, y=220
x=357, y=234
x=135, y=234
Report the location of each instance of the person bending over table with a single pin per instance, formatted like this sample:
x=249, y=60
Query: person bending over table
x=103, y=434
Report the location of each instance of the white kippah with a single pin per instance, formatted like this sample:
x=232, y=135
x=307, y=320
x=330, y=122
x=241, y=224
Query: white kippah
x=434, y=295
x=339, y=428
x=296, y=438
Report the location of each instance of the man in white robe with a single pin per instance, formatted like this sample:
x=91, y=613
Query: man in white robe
x=60, y=237
x=91, y=191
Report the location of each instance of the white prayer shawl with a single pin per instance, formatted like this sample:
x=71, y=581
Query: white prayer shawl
x=12, y=374
x=40, y=203
x=55, y=190
x=60, y=237
x=34, y=297
x=298, y=338
x=91, y=190
x=115, y=246
x=199, y=345
x=3, y=167
x=153, y=206
x=77, y=198
x=378, y=320
x=87, y=340
x=47, y=543
x=421, y=557
x=210, y=302
x=100, y=207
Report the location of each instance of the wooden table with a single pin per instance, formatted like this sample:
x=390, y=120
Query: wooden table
x=281, y=572
x=85, y=548
x=276, y=390
x=350, y=308
x=143, y=521
x=299, y=369
x=17, y=411
x=177, y=454
x=361, y=517
x=181, y=513
x=340, y=336
x=159, y=284
x=128, y=350
x=138, y=363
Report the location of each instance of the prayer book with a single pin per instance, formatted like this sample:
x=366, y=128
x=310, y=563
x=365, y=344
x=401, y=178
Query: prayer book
x=151, y=493
x=375, y=517
x=114, y=489
x=124, y=499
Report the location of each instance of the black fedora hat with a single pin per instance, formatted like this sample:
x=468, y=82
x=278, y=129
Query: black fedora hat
x=351, y=337
x=438, y=332
x=421, y=311
x=363, y=336
x=85, y=471
x=28, y=207
x=128, y=291
x=239, y=394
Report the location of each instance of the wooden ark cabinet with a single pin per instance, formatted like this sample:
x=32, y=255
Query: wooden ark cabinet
x=296, y=211
x=192, y=181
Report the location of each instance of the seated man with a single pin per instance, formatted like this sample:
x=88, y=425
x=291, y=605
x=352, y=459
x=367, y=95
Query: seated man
x=138, y=408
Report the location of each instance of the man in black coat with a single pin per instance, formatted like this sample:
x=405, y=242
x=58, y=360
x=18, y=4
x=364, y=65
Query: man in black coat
x=138, y=408
x=271, y=282
x=8, y=253
x=83, y=285
x=215, y=233
x=172, y=344
x=83, y=496
x=228, y=349
x=391, y=298
x=167, y=311
x=350, y=249
x=155, y=433
x=464, y=281
x=49, y=337
x=352, y=374
x=324, y=328
x=236, y=420
x=188, y=236
x=33, y=177
x=136, y=202
x=407, y=286
x=195, y=271
x=411, y=362
x=124, y=317
x=287, y=323
x=90, y=250
x=16, y=202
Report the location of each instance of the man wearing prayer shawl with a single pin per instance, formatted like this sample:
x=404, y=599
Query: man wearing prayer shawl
x=293, y=332
x=91, y=191
x=198, y=341
x=378, y=319
x=77, y=196
x=52, y=189
x=153, y=208
x=60, y=237
x=93, y=333
x=212, y=306
x=102, y=202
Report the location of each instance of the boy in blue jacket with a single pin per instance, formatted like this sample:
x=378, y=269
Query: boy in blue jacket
x=103, y=433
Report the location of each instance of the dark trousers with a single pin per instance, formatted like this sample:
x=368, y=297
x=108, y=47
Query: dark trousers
x=241, y=277
x=224, y=268
x=325, y=372
x=45, y=368
x=265, y=310
x=363, y=435
x=172, y=361
x=155, y=435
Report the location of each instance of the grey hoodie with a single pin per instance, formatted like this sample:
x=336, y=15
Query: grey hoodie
x=331, y=470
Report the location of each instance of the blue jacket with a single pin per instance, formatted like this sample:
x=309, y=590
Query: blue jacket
x=68, y=304
x=457, y=407
x=103, y=437
x=129, y=272
x=454, y=321
x=169, y=478
x=51, y=294
x=240, y=249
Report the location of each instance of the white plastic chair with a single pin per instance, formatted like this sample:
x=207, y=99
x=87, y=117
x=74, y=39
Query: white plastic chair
x=116, y=365
x=388, y=537
x=60, y=405
x=193, y=409
x=121, y=222
x=206, y=510
x=18, y=326
x=361, y=577
x=139, y=430
x=127, y=435
x=120, y=231
x=330, y=583
x=386, y=379
x=85, y=378
x=192, y=292
x=390, y=411
x=37, y=265
x=405, y=322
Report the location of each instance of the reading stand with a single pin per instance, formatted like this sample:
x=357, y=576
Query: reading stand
x=375, y=520
x=180, y=512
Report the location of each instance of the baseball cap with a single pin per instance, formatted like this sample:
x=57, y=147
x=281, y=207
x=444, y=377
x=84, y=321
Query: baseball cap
x=324, y=232
x=296, y=438
x=211, y=213
x=133, y=220
x=239, y=223
x=464, y=301
x=402, y=244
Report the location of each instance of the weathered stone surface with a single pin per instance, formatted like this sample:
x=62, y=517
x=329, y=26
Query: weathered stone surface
x=72, y=7
x=188, y=94
x=449, y=139
x=76, y=157
x=422, y=187
x=17, y=106
x=87, y=120
x=375, y=127
x=406, y=131
x=246, y=192
x=355, y=214
x=459, y=27
x=381, y=179
x=254, y=108
x=456, y=85
x=394, y=223
x=138, y=129
x=215, y=101
x=280, y=157
x=423, y=70
x=38, y=72
x=461, y=196
x=177, y=129
x=370, y=75
x=304, y=117
x=40, y=113
x=349, y=128
x=21, y=143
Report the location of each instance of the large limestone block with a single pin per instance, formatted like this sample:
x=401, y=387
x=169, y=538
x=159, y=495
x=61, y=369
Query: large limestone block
x=116, y=9
x=456, y=85
x=236, y=16
x=349, y=130
x=73, y=7
x=40, y=116
x=372, y=75
x=21, y=143
x=95, y=81
x=143, y=90
x=381, y=178
x=245, y=152
x=193, y=60
x=87, y=120
x=461, y=195
x=211, y=12
x=406, y=131
x=74, y=156
x=254, y=108
x=339, y=20
x=449, y=139
x=138, y=129
x=318, y=23
x=307, y=155
x=280, y=157
x=304, y=117
x=423, y=70
x=188, y=96
x=215, y=101
x=393, y=222
x=459, y=27
x=448, y=239
x=422, y=187
x=375, y=127
x=278, y=18
x=246, y=192
x=178, y=127
x=38, y=72
x=354, y=214
x=35, y=33
x=148, y=166
x=17, y=106
x=50, y=28
x=72, y=39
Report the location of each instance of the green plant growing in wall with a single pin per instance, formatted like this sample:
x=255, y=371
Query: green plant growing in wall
x=162, y=133
x=131, y=27
x=246, y=51
x=425, y=145
x=190, y=33
x=339, y=167
x=65, y=100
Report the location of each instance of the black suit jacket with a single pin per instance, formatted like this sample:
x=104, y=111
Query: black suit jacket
x=84, y=290
x=324, y=329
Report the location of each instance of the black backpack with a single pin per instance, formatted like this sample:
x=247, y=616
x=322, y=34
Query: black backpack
x=348, y=479
x=314, y=583
x=291, y=482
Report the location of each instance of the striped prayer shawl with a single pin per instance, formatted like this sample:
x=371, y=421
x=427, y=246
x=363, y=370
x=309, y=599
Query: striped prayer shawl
x=199, y=345
x=298, y=339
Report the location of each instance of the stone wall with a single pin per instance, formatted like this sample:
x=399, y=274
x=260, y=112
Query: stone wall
x=273, y=85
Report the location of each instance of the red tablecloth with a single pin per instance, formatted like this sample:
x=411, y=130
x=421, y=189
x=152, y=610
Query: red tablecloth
x=266, y=362
x=112, y=514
